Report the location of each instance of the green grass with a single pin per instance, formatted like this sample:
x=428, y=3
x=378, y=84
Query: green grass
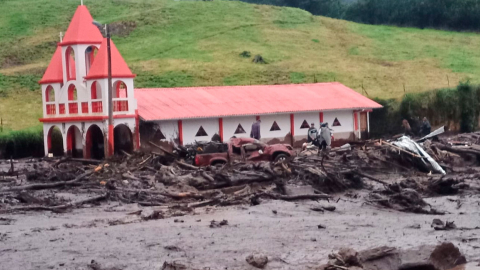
x=197, y=43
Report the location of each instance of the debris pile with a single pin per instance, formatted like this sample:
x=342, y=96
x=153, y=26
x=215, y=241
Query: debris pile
x=397, y=173
x=442, y=257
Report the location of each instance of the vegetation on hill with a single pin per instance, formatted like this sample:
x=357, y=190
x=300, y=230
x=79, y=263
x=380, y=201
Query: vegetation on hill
x=442, y=14
x=198, y=43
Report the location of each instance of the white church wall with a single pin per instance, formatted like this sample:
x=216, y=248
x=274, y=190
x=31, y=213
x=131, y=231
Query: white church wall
x=283, y=122
x=345, y=118
x=191, y=128
x=230, y=125
x=309, y=117
x=169, y=129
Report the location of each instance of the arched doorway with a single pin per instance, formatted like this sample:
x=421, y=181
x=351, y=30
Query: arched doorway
x=123, y=139
x=95, y=144
x=55, y=141
x=74, y=142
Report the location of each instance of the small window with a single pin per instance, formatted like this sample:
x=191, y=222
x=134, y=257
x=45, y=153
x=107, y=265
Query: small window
x=275, y=126
x=240, y=129
x=70, y=62
x=72, y=92
x=304, y=124
x=120, y=90
x=50, y=94
x=336, y=123
x=201, y=132
x=96, y=92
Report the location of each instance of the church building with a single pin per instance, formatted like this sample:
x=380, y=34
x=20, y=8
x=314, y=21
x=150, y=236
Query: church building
x=75, y=105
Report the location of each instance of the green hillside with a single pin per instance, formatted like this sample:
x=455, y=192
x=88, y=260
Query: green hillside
x=190, y=43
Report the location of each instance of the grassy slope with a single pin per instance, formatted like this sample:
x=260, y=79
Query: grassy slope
x=198, y=43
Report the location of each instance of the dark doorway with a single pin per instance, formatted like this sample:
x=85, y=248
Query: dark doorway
x=123, y=140
x=55, y=142
x=95, y=144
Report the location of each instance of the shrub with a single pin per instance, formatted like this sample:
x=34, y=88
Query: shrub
x=22, y=143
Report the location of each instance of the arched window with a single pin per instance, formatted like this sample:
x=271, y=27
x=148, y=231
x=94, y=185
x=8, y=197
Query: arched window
x=72, y=92
x=96, y=91
x=72, y=100
x=120, y=90
x=96, y=94
x=90, y=54
x=49, y=94
x=70, y=62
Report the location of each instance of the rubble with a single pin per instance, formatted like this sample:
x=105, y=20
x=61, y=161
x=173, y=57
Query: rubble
x=445, y=256
x=257, y=260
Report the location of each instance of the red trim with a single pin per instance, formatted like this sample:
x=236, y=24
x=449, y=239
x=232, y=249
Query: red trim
x=78, y=42
x=292, y=125
x=321, y=117
x=113, y=76
x=83, y=118
x=220, y=128
x=137, y=129
x=110, y=141
x=355, y=121
x=180, y=132
x=50, y=81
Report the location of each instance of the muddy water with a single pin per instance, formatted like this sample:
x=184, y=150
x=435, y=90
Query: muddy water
x=290, y=238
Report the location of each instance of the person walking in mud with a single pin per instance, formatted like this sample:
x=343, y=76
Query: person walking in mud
x=312, y=133
x=255, y=133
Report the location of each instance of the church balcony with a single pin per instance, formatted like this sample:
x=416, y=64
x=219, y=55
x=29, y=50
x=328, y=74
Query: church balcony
x=120, y=105
x=97, y=106
x=51, y=108
x=72, y=107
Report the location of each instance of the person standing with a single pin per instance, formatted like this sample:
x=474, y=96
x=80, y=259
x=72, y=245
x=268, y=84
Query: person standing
x=426, y=127
x=255, y=133
x=407, y=128
x=312, y=133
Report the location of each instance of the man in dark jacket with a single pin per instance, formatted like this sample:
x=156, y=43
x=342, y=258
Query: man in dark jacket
x=312, y=133
x=255, y=133
x=426, y=127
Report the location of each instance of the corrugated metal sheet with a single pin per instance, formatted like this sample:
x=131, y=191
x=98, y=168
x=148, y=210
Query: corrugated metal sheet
x=221, y=101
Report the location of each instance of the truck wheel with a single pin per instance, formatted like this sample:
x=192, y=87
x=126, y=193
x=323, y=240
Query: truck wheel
x=281, y=157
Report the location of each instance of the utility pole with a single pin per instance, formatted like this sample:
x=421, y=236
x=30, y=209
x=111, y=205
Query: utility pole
x=110, y=96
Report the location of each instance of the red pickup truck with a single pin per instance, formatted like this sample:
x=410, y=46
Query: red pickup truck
x=246, y=149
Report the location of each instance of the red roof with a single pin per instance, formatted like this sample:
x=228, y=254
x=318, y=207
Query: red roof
x=220, y=101
x=54, y=72
x=99, y=68
x=81, y=29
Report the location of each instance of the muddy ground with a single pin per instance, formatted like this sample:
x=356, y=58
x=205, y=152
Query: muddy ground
x=290, y=238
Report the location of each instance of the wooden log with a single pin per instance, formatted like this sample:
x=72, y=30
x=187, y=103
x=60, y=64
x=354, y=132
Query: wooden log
x=370, y=177
x=459, y=151
x=57, y=208
x=299, y=197
x=52, y=185
x=186, y=166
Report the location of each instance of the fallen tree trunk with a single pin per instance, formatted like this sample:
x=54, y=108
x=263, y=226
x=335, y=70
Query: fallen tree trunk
x=456, y=150
x=52, y=185
x=298, y=197
x=55, y=208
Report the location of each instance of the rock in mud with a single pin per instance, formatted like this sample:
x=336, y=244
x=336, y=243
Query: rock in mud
x=257, y=260
x=446, y=256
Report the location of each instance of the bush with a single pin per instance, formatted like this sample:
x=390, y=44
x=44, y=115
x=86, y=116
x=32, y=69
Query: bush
x=387, y=120
x=22, y=143
x=468, y=104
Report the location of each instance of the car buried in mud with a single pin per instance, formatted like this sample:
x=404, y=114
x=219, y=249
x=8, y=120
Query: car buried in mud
x=246, y=150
